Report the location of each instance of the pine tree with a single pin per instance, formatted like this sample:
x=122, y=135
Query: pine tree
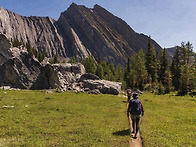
x=164, y=66
x=161, y=89
x=72, y=59
x=190, y=53
x=192, y=72
x=167, y=81
x=175, y=69
x=151, y=61
x=89, y=64
x=99, y=71
x=141, y=71
x=120, y=73
x=29, y=48
x=127, y=73
x=184, y=80
x=184, y=54
x=56, y=59
x=16, y=43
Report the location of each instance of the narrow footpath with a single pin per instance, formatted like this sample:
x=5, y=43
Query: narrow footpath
x=134, y=142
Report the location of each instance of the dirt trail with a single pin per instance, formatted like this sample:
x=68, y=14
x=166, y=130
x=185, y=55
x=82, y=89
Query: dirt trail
x=135, y=142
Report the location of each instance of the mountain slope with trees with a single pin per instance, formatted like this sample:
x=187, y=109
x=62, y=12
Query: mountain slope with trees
x=150, y=71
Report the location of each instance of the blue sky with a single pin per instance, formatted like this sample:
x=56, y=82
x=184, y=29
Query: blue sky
x=169, y=22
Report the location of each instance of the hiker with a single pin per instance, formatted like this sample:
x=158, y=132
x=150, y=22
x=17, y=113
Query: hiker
x=129, y=94
x=135, y=108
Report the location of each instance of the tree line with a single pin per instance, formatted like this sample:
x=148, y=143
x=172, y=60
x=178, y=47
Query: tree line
x=151, y=71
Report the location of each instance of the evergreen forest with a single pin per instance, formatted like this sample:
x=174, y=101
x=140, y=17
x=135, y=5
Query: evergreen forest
x=151, y=71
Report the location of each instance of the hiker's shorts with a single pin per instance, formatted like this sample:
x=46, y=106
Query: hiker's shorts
x=135, y=116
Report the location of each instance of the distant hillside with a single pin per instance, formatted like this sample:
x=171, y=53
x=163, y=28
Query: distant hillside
x=79, y=32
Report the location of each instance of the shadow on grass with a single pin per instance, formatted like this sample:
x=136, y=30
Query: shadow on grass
x=124, y=101
x=122, y=133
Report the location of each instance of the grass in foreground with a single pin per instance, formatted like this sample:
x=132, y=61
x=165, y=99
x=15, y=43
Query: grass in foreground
x=62, y=119
x=169, y=120
x=68, y=119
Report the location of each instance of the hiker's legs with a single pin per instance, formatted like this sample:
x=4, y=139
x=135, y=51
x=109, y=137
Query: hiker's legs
x=128, y=98
x=133, y=124
x=137, y=125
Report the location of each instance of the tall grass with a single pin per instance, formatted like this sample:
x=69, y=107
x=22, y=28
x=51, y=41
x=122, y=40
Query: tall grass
x=62, y=119
x=169, y=120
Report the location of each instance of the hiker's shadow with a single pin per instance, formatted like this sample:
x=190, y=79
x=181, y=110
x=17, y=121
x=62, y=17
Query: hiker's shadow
x=122, y=133
x=124, y=101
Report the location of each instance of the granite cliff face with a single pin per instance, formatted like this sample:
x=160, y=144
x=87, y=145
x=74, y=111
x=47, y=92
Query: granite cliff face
x=78, y=32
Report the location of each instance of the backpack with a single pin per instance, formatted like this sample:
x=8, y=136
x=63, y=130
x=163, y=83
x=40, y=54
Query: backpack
x=135, y=108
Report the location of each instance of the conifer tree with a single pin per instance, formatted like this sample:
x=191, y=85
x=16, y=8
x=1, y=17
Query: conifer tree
x=141, y=71
x=56, y=59
x=127, y=73
x=175, y=69
x=151, y=61
x=184, y=53
x=184, y=80
x=120, y=73
x=192, y=72
x=167, y=81
x=164, y=66
x=89, y=64
x=72, y=59
x=190, y=53
x=99, y=71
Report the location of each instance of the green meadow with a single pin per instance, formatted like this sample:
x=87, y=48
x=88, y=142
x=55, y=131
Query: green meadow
x=169, y=120
x=62, y=119
x=39, y=118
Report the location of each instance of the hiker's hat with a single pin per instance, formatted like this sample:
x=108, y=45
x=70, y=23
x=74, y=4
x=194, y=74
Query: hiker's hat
x=135, y=95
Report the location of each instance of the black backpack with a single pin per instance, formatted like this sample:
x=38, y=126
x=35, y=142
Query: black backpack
x=135, y=108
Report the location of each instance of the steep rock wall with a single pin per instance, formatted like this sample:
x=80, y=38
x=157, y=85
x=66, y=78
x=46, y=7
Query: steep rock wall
x=79, y=32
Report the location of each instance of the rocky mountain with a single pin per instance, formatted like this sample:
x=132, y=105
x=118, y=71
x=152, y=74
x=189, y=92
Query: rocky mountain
x=20, y=69
x=79, y=32
x=171, y=51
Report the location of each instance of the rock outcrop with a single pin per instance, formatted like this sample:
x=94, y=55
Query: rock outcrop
x=78, y=32
x=5, y=46
x=26, y=72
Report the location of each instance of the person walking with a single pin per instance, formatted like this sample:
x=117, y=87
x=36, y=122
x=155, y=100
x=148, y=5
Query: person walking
x=135, y=108
x=129, y=94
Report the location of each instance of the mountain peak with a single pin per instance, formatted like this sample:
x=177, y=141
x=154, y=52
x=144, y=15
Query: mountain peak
x=79, y=32
x=73, y=5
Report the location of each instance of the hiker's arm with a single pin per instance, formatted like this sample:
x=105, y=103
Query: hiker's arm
x=128, y=109
x=142, y=108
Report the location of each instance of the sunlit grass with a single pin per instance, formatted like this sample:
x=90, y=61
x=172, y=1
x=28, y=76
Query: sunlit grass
x=169, y=120
x=38, y=118
x=62, y=119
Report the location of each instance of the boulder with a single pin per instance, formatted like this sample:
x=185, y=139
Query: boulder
x=64, y=68
x=69, y=74
x=26, y=72
x=105, y=87
x=19, y=72
x=47, y=78
x=89, y=76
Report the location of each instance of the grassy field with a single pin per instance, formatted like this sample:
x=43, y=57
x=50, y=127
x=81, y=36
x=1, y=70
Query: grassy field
x=62, y=119
x=169, y=120
x=38, y=118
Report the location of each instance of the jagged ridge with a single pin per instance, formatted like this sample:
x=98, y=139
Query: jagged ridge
x=78, y=32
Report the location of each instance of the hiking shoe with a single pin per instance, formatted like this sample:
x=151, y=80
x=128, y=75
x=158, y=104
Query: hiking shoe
x=135, y=136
